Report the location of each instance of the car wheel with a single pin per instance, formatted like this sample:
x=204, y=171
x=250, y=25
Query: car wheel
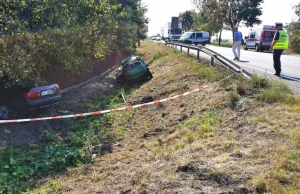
x=203, y=43
x=256, y=48
x=120, y=79
x=149, y=74
x=245, y=47
x=6, y=112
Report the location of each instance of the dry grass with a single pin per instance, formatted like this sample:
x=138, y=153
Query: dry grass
x=211, y=142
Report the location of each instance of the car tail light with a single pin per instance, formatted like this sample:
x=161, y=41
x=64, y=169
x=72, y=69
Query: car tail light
x=57, y=90
x=262, y=36
x=126, y=74
x=31, y=95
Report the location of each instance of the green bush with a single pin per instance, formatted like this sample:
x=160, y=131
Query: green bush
x=278, y=92
x=64, y=51
x=294, y=36
x=294, y=42
x=258, y=82
x=39, y=36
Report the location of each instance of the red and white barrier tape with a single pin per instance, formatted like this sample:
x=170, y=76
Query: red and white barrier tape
x=112, y=110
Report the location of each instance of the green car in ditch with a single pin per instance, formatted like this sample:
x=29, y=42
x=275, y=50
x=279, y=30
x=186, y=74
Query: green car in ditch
x=133, y=68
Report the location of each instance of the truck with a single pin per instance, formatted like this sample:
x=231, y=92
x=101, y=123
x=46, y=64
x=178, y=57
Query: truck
x=172, y=30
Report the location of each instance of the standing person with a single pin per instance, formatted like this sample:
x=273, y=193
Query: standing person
x=237, y=42
x=280, y=42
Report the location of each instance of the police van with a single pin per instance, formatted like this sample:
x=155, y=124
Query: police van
x=260, y=39
x=196, y=38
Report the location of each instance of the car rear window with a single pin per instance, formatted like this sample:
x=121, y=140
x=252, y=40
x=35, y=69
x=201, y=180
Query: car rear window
x=269, y=34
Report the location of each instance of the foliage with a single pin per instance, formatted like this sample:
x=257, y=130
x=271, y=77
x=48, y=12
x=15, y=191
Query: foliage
x=278, y=92
x=202, y=23
x=134, y=23
x=297, y=10
x=295, y=42
x=223, y=44
x=231, y=12
x=157, y=56
x=20, y=163
x=258, y=82
x=39, y=36
x=294, y=31
x=187, y=20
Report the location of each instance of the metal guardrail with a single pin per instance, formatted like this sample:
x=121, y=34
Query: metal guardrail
x=214, y=56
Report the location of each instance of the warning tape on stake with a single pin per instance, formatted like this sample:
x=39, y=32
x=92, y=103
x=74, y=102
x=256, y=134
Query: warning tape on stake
x=169, y=99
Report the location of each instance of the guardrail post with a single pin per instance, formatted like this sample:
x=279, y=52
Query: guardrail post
x=198, y=54
x=180, y=48
x=188, y=51
x=212, y=61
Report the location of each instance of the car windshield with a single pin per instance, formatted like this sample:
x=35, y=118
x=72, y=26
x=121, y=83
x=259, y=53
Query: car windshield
x=269, y=34
x=176, y=31
x=187, y=34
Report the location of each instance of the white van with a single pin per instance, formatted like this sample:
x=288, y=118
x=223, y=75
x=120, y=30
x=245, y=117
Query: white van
x=260, y=39
x=195, y=38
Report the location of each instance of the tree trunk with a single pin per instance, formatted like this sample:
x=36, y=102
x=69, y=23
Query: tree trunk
x=138, y=36
x=220, y=37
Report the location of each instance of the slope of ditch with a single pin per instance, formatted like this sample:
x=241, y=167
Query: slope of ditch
x=229, y=138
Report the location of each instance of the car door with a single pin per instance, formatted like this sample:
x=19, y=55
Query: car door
x=251, y=40
x=199, y=37
x=192, y=37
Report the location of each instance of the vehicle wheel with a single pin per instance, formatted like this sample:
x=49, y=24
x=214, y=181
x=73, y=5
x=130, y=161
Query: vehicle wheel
x=245, y=47
x=262, y=50
x=203, y=43
x=7, y=112
x=256, y=48
x=149, y=74
x=120, y=79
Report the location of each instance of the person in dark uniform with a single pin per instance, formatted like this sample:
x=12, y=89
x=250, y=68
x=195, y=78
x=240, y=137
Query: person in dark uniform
x=280, y=42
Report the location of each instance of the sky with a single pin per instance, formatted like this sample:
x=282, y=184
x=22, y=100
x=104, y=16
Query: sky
x=161, y=11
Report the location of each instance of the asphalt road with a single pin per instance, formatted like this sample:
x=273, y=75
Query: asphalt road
x=261, y=63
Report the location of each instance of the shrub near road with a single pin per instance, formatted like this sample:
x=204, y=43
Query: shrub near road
x=234, y=137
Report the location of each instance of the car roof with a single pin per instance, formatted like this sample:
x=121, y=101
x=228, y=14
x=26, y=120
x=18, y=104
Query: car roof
x=130, y=59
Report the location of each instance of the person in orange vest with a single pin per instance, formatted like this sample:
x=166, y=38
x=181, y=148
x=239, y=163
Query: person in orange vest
x=280, y=42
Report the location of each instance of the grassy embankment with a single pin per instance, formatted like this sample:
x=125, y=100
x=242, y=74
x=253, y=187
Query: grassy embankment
x=223, y=44
x=238, y=135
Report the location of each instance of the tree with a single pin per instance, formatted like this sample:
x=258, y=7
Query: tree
x=187, y=20
x=202, y=23
x=232, y=12
x=133, y=24
x=211, y=21
x=297, y=11
x=65, y=36
x=293, y=30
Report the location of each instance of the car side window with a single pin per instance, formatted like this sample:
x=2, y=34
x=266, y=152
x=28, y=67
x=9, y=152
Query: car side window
x=257, y=34
x=142, y=62
x=252, y=35
x=199, y=35
x=192, y=35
